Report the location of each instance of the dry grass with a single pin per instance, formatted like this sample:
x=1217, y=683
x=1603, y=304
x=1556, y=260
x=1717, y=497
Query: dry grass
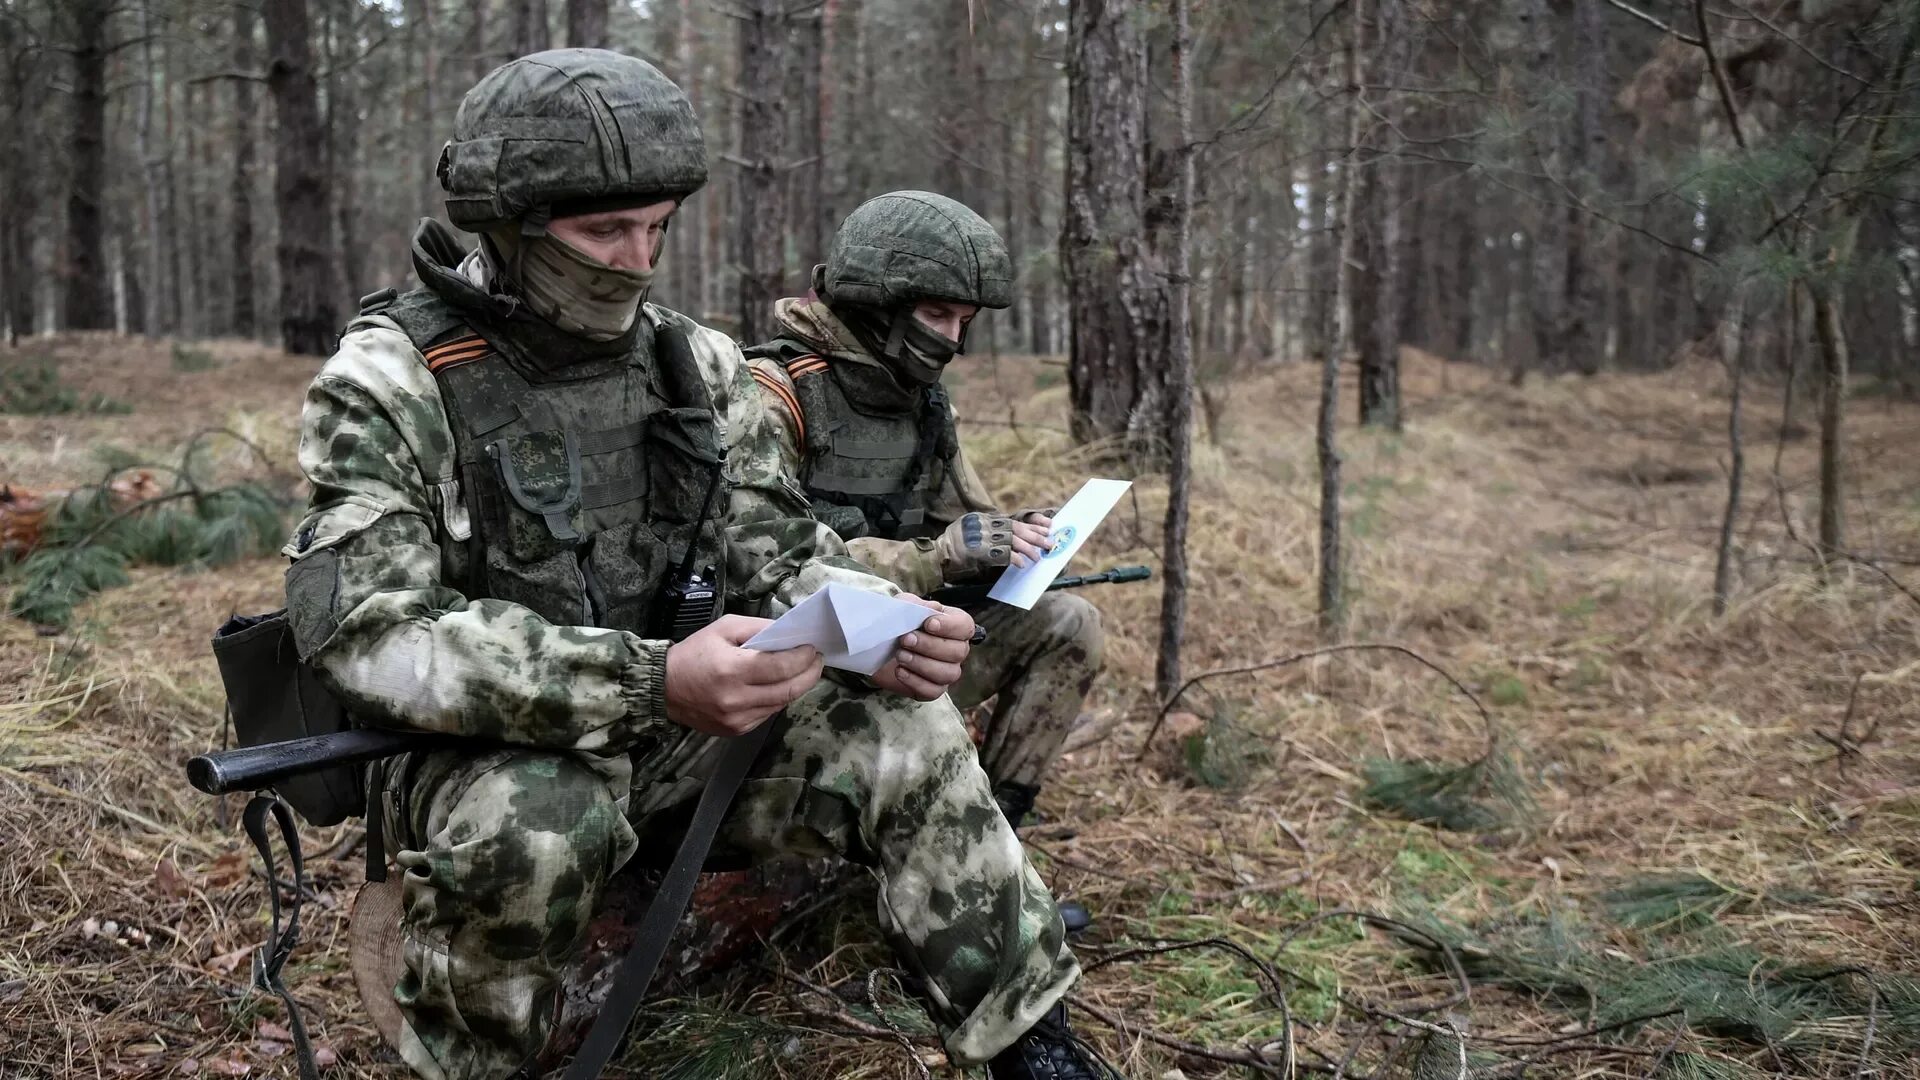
x=1551, y=546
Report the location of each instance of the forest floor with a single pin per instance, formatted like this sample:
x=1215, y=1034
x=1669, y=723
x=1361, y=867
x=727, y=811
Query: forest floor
x=1708, y=866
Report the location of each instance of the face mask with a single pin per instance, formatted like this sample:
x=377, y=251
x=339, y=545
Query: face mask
x=574, y=291
x=924, y=351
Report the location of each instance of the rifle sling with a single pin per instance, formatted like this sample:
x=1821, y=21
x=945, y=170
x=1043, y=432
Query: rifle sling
x=271, y=957
x=664, y=911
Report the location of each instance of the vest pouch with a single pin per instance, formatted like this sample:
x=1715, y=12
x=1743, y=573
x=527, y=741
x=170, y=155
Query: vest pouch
x=540, y=473
x=274, y=697
x=683, y=452
x=539, y=562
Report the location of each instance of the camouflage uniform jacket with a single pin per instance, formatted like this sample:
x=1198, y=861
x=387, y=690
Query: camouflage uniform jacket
x=911, y=564
x=401, y=648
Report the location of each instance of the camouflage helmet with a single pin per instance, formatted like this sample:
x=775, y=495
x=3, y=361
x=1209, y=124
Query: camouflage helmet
x=569, y=131
x=905, y=246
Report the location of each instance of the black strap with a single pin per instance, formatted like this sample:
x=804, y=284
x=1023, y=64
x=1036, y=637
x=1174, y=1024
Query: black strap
x=668, y=904
x=271, y=957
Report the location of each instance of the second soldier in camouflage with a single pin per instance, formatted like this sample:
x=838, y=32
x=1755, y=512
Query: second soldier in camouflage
x=864, y=423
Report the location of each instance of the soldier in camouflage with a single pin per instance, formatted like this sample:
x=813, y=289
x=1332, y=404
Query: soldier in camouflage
x=511, y=468
x=853, y=381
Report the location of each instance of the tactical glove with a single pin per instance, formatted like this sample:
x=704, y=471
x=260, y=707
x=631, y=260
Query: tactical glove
x=1029, y=515
x=974, y=546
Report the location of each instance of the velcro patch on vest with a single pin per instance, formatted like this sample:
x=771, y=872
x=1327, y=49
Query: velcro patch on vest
x=459, y=350
x=784, y=395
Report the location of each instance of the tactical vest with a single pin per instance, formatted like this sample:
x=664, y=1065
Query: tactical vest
x=875, y=473
x=594, y=500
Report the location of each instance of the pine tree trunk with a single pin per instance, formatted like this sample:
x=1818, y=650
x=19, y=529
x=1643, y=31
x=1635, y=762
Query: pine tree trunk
x=87, y=306
x=530, y=27
x=479, y=60
x=1463, y=243
x=308, y=316
x=698, y=295
x=808, y=139
x=586, y=24
x=1115, y=385
x=344, y=128
x=19, y=185
x=1736, y=362
x=1173, y=590
x=1578, y=337
x=760, y=214
x=1040, y=279
x=1332, y=606
x=1323, y=255
x=429, y=105
x=1833, y=397
x=240, y=188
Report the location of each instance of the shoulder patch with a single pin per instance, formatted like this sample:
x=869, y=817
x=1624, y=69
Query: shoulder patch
x=458, y=349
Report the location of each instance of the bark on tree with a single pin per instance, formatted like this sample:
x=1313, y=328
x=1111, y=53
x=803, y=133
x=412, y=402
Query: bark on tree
x=1577, y=337
x=808, y=141
x=308, y=316
x=85, y=273
x=343, y=129
x=586, y=24
x=1117, y=312
x=1377, y=250
x=530, y=33
x=1332, y=606
x=1735, y=359
x=478, y=58
x=760, y=215
x=19, y=182
x=1173, y=588
x=240, y=188
x=691, y=243
x=1832, y=335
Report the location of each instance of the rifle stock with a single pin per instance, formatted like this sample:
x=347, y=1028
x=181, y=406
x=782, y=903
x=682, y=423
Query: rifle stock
x=249, y=768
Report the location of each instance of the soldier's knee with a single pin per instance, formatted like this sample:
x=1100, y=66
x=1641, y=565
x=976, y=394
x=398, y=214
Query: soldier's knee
x=542, y=815
x=1074, y=627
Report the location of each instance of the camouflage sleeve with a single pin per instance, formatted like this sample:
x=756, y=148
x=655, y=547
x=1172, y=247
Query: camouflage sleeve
x=370, y=612
x=777, y=554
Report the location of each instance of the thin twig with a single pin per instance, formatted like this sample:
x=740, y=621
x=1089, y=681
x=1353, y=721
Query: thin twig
x=1246, y=1057
x=1308, y=654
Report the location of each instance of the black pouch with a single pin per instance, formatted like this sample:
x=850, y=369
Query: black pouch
x=273, y=697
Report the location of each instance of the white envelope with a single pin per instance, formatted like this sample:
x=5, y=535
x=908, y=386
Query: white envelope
x=1021, y=586
x=853, y=629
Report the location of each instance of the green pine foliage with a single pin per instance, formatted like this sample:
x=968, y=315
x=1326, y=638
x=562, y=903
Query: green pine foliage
x=88, y=543
x=1674, y=957
x=697, y=1042
x=37, y=391
x=1481, y=795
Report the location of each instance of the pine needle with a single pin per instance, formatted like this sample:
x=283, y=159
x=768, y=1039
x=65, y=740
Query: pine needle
x=693, y=1042
x=1481, y=795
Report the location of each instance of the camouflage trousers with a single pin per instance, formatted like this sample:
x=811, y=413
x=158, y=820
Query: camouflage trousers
x=507, y=854
x=1040, y=663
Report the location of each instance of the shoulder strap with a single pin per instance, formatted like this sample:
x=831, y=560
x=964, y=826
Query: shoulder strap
x=786, y=396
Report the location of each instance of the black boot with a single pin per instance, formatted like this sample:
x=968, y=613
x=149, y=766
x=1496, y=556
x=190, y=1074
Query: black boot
x=1016, y=801
x=1050, y=1051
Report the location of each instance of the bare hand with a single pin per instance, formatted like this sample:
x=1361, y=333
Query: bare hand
x=718, y=688
x=928, y=659
x=1031, y=539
